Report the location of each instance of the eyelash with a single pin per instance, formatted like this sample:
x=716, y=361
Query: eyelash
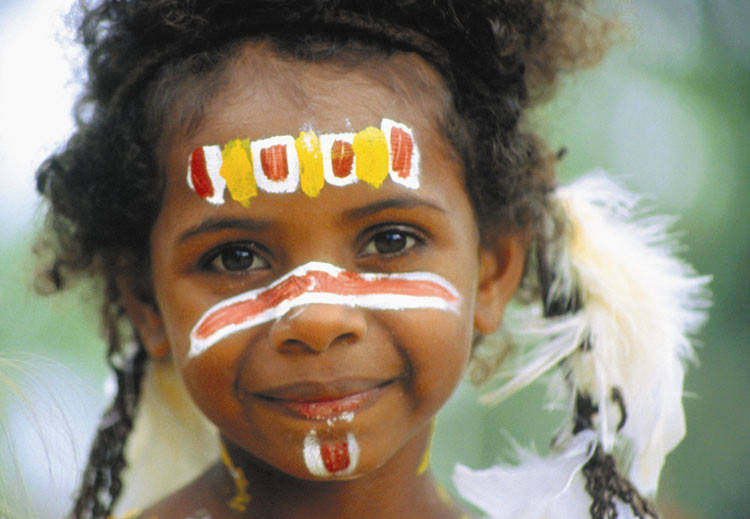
x=413, y=239
x=217, y=255
x=215, y=260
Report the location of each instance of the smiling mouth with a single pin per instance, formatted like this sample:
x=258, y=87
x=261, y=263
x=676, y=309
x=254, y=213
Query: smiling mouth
x=318, y=401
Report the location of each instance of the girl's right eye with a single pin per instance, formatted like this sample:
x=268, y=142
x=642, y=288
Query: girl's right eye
x=235, y=259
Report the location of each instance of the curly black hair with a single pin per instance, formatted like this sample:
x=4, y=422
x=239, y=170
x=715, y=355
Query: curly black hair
x=151, y=62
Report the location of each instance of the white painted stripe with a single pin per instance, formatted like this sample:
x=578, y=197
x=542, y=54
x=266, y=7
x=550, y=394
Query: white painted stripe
x=326, y=144
x=314, y=458
x=374, y=301
x=412, y=181
x=290, y=184
x=213, y=165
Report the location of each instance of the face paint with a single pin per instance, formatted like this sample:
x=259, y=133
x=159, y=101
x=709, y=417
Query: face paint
x=425, y=463
x=237, y=171
x=203, y=174
x=321, y=283
x=277, y=165
x=281, y=164
x=241, y=498
x=339, y=158
x=198, y=514
x=371, y=150
x=342, y=159
x=404, y=166
x=311, y=177
x=330, y=458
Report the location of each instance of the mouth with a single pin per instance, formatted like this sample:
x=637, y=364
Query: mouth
x=326, y=401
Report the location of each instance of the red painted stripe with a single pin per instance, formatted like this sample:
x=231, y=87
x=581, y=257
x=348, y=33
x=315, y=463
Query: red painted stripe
x=402, y=146
x=342, y=158
x=199, y=174
x=273, y=160
x=335, y=456
x=346, y=284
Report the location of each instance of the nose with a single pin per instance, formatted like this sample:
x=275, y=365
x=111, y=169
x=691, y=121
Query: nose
x=317, y=327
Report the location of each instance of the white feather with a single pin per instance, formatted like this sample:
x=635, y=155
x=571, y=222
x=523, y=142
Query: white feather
x=639, y=305
x=537, y=488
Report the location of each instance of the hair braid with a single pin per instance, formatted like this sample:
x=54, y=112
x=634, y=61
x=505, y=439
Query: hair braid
x=604, y=483
x=101, y=480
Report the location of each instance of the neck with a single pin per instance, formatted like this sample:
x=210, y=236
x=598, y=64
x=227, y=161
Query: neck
x=402, y=487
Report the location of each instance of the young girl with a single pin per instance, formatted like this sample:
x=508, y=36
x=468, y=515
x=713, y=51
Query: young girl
x=309, y=214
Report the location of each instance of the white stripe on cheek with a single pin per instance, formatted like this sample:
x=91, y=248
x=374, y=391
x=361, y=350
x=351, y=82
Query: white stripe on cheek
x=321, y=283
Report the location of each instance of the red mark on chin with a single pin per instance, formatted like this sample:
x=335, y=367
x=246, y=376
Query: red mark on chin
x=335, y=456
x=342, y=158
x=402, y=146
x=199, y=175
x=273, y=160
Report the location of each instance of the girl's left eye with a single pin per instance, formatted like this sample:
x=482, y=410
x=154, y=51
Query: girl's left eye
x=235, y=259
x=390, y=242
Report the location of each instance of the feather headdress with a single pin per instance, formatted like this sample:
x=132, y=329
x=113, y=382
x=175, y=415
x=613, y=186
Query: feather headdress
x=616, y=311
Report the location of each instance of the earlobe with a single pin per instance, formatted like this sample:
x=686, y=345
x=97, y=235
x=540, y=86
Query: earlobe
x=145, y=317
x=501, y=266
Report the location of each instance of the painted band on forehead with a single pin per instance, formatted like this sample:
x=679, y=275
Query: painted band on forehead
x=283, y=164
x=321, y=283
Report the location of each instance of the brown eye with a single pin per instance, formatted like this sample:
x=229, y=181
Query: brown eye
x=239, y=258
x=390, y=242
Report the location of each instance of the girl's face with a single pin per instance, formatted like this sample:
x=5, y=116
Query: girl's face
x=324, y=387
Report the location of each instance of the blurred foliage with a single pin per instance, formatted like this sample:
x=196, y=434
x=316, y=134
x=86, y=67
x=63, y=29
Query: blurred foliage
x=668, y=115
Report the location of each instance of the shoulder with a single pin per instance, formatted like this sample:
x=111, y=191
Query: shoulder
x=196, y=500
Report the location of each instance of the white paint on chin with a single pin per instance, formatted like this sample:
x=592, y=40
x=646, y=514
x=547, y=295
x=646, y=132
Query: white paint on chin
x=347, y=416
x=314, y=458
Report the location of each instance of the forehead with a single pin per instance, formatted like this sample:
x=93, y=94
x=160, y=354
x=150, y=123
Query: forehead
x=263, y=93
x=265, y=96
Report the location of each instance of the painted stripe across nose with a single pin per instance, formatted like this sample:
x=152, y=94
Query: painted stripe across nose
x=322, y=283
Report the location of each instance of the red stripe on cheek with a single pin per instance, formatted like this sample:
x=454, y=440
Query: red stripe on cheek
x=245, y=310
x=273, y=161
x=402, y=147
x=199, y=175
x=344, y=284
x=342, y=158
x=352, y=284
x=335, y=456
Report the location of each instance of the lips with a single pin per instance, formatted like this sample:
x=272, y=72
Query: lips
x=326, y=401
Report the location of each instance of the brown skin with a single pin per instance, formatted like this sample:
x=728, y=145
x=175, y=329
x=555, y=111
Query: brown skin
x=415, y=357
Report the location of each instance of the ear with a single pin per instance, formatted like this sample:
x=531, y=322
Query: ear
x=501, y=265
x=145, y=317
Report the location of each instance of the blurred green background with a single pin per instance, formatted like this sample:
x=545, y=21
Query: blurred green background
x=667, y=114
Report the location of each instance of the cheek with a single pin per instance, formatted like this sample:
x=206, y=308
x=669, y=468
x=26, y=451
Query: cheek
x=212, y=380
x=437, y=346
x=210, y=376
x=182, y=306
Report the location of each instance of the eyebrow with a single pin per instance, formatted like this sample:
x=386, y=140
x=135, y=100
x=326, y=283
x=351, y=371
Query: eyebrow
x=406, y=202
x=247, y=224
x=220, y=224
